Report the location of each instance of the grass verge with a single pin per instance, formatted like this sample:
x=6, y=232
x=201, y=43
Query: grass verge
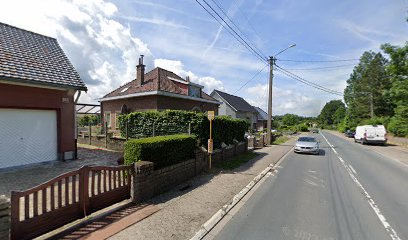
x=280, y=140
x=236, y=161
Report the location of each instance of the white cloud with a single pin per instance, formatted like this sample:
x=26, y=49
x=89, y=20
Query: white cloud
x=284, y=101
x=177, y=67
x=103, y=50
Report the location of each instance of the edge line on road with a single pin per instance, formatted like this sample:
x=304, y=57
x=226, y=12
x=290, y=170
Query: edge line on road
x=391, y=232
x=220, y=214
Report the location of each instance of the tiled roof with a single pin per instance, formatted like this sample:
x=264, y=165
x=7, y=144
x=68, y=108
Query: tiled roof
x=33, y=58
x=157, y=79
x=236, y=102
x=262, y=115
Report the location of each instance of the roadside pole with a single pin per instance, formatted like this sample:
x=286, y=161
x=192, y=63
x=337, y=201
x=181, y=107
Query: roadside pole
x=210, y=141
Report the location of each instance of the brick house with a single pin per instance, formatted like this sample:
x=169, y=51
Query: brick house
x=235, y=107
x=159, y=90
x=37, y=104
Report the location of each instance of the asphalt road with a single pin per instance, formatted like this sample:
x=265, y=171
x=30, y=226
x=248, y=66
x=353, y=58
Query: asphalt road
x=350, y=192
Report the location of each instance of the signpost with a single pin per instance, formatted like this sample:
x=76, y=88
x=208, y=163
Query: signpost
x=211, y=116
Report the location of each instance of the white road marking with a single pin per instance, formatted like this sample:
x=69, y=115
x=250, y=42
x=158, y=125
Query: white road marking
x=391, y=232
x=352, y=169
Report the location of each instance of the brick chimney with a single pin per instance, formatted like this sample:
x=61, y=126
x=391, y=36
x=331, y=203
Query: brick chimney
x=140, y=72
x=187, y=78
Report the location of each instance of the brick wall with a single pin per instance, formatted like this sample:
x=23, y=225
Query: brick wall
x=148, y=182
x=113, y=143
x=4, y=217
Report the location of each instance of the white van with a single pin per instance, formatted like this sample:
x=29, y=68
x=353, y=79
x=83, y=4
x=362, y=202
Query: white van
x=371, y=134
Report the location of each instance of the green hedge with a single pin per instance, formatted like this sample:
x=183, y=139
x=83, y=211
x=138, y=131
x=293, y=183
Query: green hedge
x=225, y=129
x=161, y=150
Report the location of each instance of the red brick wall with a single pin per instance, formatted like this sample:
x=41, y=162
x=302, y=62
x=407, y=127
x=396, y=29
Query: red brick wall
x=133, y=104
x=164, y=102
x=146, y=103
x=14, y=96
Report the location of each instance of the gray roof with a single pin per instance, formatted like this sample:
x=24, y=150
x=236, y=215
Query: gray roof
x=236, y=102
x=34, y=58
x=262, y=115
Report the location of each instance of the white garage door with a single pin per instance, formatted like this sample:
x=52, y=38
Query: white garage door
x=27, y=136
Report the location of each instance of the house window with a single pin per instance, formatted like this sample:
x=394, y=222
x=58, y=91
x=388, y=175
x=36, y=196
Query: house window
x=194, y=91
x=117, y=114
x=108, y=118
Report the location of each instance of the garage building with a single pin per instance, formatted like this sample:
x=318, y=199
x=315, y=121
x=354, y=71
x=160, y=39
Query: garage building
x=38, y=90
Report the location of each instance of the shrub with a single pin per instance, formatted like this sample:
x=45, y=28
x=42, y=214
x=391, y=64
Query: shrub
x=161, y=150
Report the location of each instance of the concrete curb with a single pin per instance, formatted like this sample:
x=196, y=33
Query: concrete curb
x=216, y=218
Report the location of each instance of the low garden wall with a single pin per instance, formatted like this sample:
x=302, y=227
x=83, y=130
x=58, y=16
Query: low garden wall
x=113, y=143
x=148, y=182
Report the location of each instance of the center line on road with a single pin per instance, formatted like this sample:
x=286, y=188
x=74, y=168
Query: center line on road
x=391, y=232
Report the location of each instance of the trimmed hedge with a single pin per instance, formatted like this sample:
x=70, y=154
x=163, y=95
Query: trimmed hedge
x=225, y=129
x=161, y=150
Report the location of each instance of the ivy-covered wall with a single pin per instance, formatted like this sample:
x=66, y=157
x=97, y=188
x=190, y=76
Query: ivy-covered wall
x=140, y=124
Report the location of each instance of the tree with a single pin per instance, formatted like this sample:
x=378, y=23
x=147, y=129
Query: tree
x=333, y=112
x=369, y=84
x=290, y=119
x=398, y=92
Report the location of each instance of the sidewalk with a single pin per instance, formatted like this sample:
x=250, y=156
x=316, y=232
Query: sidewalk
x=187, y=207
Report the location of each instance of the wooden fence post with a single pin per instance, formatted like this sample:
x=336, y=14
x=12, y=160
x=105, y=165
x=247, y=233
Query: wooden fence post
x=84, y=190
x=106, y=134
x=90, y=134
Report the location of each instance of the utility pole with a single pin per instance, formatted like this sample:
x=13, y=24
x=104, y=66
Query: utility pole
x=271, y=61
x=269, y=123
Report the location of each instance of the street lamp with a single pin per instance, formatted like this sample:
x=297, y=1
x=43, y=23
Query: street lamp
x=271, y=61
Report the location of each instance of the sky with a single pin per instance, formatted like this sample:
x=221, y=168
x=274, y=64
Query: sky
x=104, y=39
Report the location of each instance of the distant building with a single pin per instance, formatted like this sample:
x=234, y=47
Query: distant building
x=159, y=90
x=262, y=119
x=235, y=107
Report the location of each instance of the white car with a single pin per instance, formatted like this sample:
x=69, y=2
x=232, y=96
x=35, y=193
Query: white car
x=371, y=134
x=307, y=145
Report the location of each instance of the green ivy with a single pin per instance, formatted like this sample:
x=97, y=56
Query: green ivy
x=225, y=129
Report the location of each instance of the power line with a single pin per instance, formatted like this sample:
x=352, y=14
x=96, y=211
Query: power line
x=236, y=35
x=338, y=66
x=224, y=12
x=340, y=60
x=260, y=55
x=312, y=84
x=253, y=77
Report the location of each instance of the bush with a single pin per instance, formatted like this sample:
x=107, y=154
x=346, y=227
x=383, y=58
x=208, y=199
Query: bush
x=225, y=129
x=302, y=128
x=161, y=150
x=398, y=127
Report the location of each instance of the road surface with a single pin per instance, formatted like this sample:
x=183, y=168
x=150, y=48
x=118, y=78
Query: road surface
x=347, y=192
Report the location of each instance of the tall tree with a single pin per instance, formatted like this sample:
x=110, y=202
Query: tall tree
x=368, y=84
x=398, y=72
x=333, y=112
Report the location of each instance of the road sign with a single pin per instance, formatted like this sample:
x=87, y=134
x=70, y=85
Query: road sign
x=211, y=115
x=210, y=146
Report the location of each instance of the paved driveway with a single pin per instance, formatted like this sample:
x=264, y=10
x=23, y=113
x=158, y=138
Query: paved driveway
x=27, y=177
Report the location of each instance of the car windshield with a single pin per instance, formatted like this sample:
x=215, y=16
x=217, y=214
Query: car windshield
x=306, y=139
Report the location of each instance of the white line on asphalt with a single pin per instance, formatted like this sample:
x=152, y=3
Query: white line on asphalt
x=352, y=169
x=391, y=232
